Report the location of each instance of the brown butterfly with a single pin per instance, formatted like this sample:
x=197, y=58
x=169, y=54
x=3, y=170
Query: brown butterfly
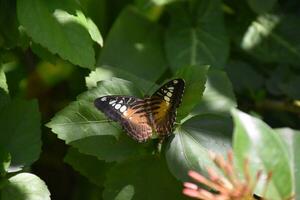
x=141, y=117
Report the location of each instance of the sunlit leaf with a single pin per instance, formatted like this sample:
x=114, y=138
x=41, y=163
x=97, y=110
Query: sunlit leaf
x=292, y=139
x=25, y=186
x=55, y=27
x=265, y=150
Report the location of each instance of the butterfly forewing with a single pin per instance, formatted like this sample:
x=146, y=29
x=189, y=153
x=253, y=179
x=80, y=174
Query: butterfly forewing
x=164, y=103
x=139, y=117
x=129, y=111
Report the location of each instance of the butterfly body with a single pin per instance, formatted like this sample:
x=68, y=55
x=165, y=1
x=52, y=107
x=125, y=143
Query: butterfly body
x=141, y=117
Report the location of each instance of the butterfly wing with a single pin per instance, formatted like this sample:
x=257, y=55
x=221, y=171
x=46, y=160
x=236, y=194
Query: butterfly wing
x=164, y=103
x=129, y=112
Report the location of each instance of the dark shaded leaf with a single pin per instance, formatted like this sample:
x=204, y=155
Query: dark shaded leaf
x=141, y=178
x=189, y=147
x=197, y=36
x=20, y=131
x=141, y=52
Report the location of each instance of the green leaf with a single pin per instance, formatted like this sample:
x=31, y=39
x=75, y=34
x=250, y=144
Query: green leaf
x=292, y=140
x=87, y=165
x=50, y=24
x=25, y=186
x=218, y=96
x=5, y=160
x=81, y=119
x=141, y=178
x=109, y=148
x=197, y=36
x=195, y=78
x=20, y=131
x=265, y=150
x=270, y=39
x=237, y=70
x=189, y=147
x=261, y=7
x=134, y=44
x=3, y=84
x=106, y=73
x=86, y=128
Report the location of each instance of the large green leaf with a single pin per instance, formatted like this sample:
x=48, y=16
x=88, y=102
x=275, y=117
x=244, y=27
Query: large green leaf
x=87, y=165
x=20, y=133
x=5, y=160
x=141, y=178
x=197, y=36
x=109, y=148
x=292, y=139
x=106, y=72
x=195, y=78
x=270, y=38
x=218, y=96
x=189, y=147
x=56, y=26
x=134, y=44
x=25, y=186
x=86, y=128
x=265, y=150
x=81, y=119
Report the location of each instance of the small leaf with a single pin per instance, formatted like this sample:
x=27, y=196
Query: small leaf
x=257, y=142
x=270, y=39
x=195, y=78
x=106, y=73
x=218, y=96
x=188, y=149
x=20, y=131
x=141, y=178
x=141, y=52
x=292, y=140
x=3, y=84
x=197, y=36
x=25, y=186
x=87, y=165
x=51, y=25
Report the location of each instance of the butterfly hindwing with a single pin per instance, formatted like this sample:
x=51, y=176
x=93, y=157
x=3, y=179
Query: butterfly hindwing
x=129, y=111
x=165, y=101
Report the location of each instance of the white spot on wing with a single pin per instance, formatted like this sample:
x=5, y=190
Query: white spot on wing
x=103, y=99
x=175, y=81
x=112, y=102
x=166, y=98
x=171, y=88
x=123, y=108
x=169, y=94
x=118, y=106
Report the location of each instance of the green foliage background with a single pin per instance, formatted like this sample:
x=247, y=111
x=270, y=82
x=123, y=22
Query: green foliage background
x=58, y=56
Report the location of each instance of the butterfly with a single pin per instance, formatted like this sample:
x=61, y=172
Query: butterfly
x=141, y=117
